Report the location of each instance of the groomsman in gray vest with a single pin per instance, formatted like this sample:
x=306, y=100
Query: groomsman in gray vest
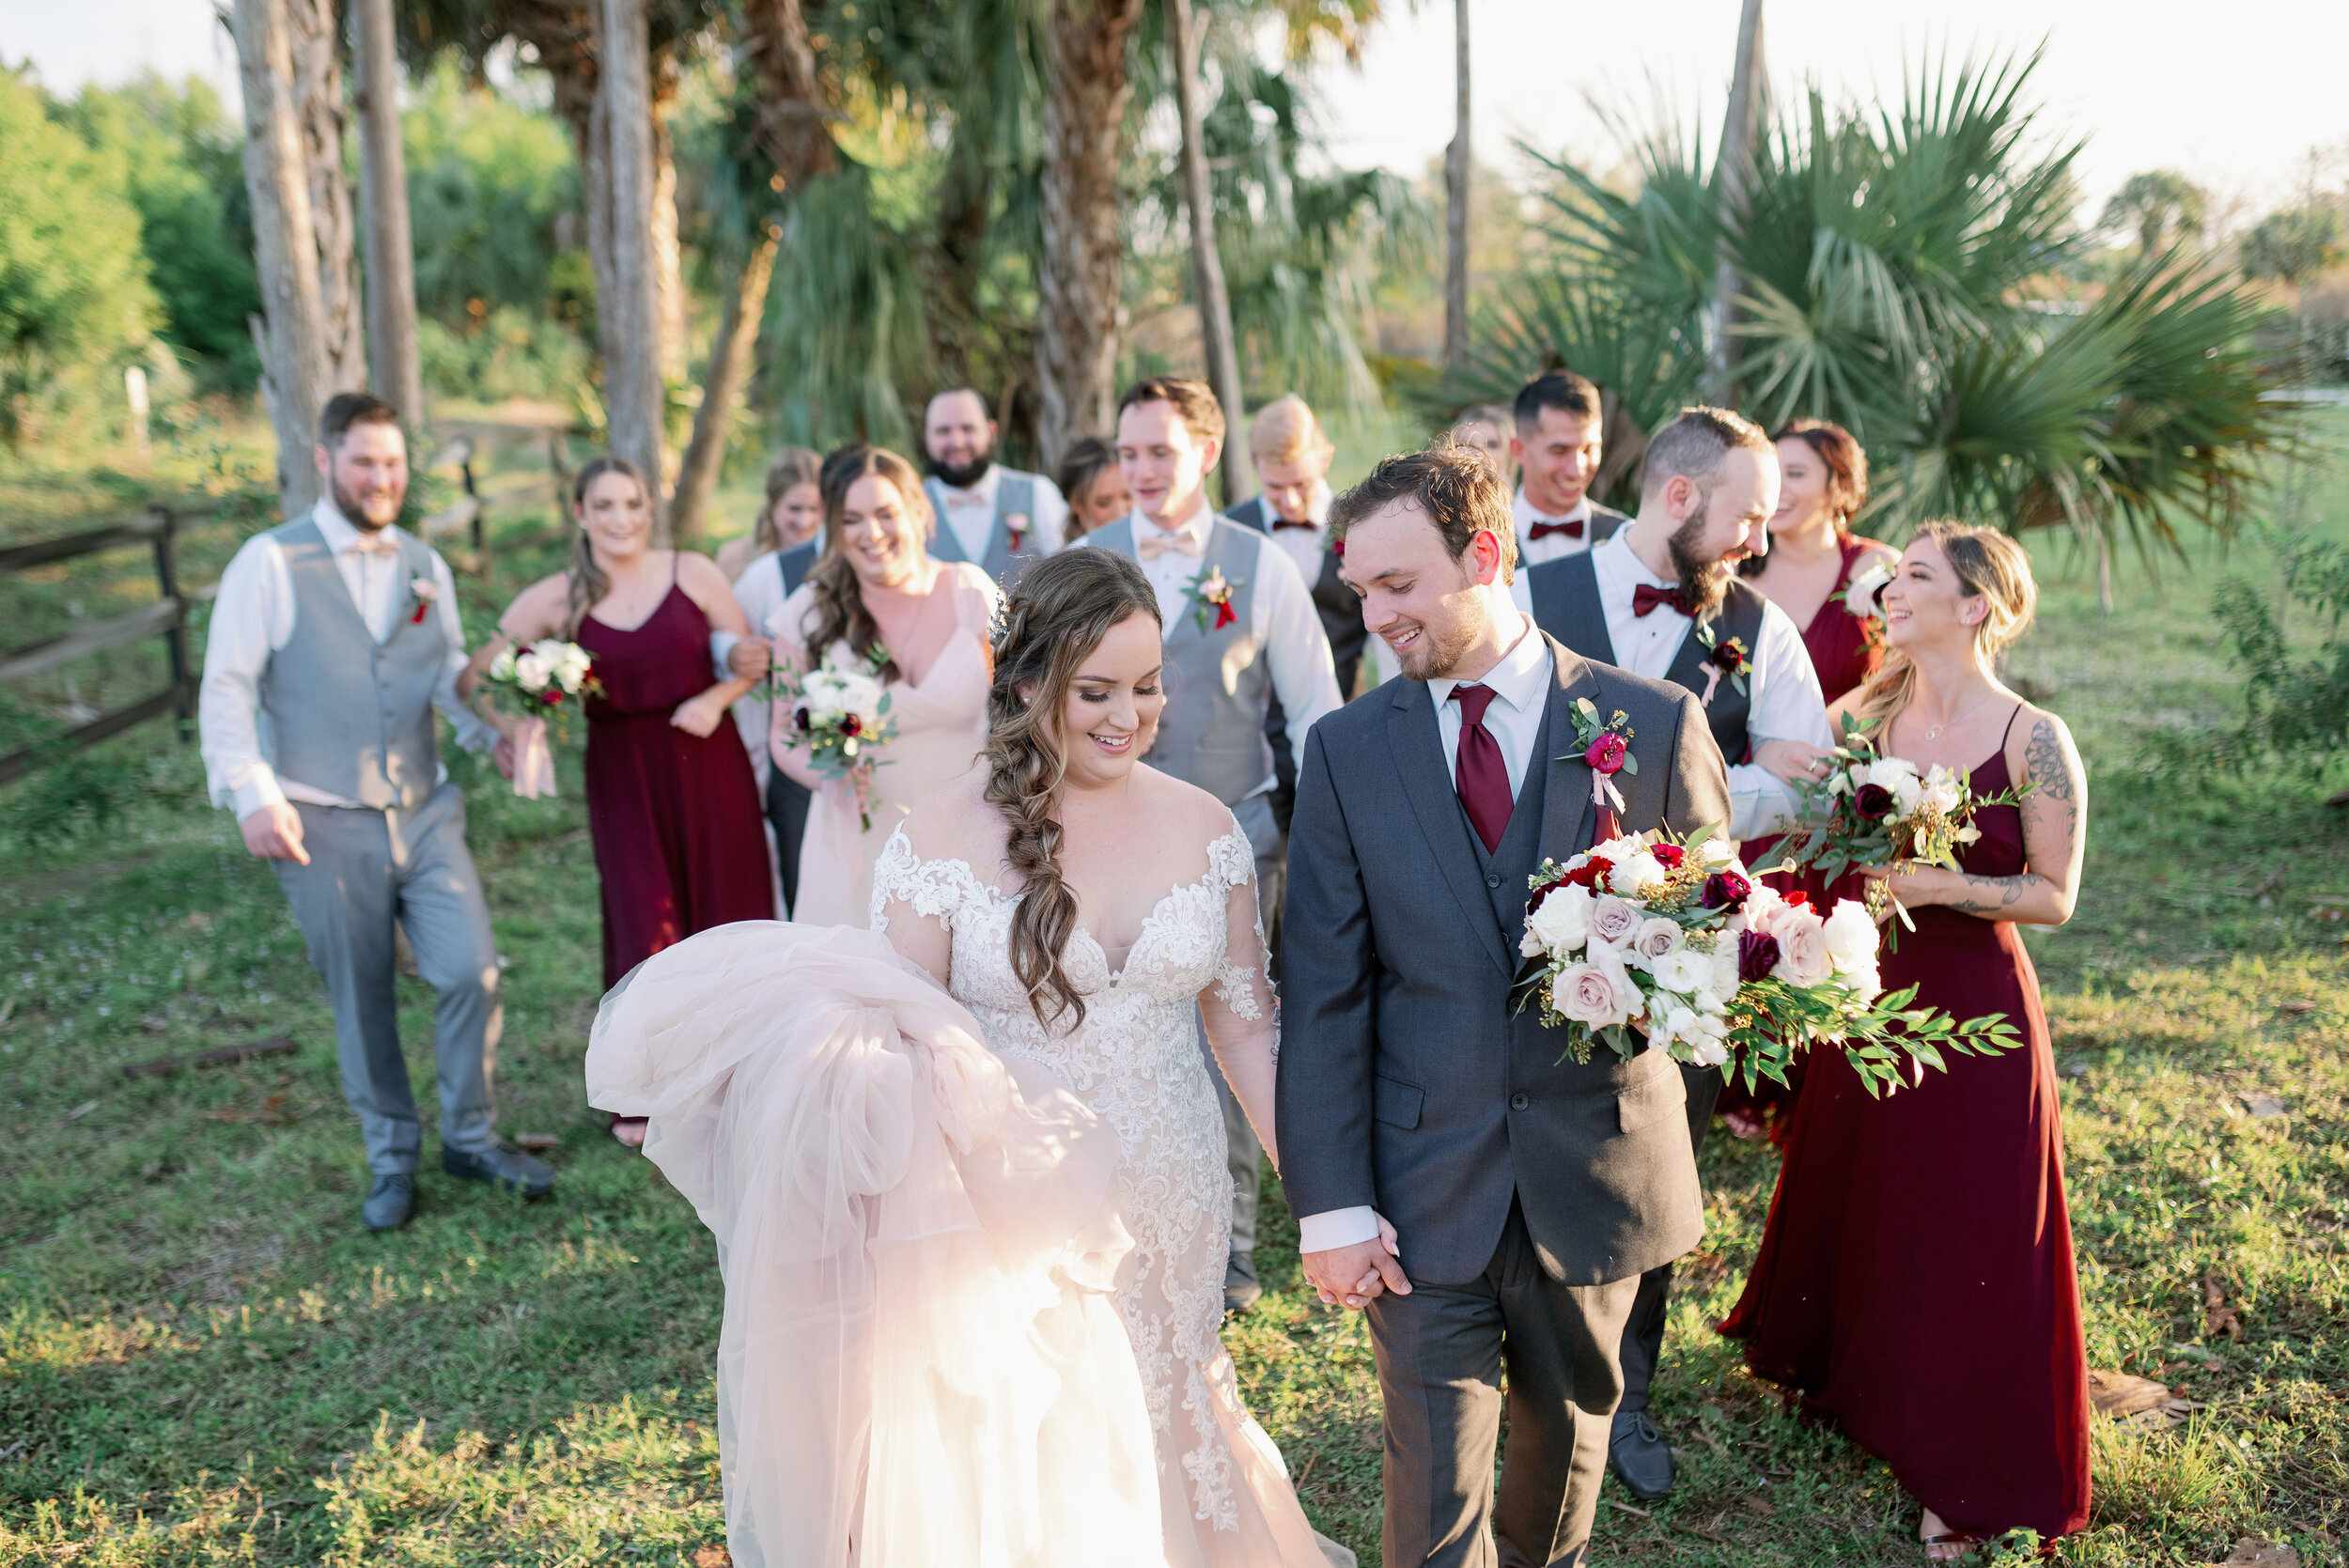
x=997, y=517
x=1660, y=598
x=1240, y=629
x=333, y=640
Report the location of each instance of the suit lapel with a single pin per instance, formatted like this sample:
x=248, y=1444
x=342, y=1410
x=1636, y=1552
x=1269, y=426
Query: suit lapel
x=1567, y=819
x=1416, y=747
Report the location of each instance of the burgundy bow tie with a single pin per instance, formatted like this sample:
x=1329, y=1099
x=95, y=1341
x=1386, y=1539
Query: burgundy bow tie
x=1571, y=528
x=1278, y=523
x=1647, y=597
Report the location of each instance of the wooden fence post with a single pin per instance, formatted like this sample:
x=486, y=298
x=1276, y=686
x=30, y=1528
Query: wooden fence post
x=175, y=637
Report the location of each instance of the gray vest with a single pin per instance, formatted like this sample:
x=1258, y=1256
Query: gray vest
x=1014, y=497
x=339, y=711
x=1217, y=687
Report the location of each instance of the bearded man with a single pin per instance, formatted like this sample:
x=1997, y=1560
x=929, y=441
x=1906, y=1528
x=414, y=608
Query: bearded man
x=999, y=519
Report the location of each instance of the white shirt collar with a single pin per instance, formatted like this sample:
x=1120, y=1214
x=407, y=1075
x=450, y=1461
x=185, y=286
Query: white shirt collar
x=341, y=533
x=1527, y=512
x=981, y=491
x=1196, y=524
x=1619, y=568
x=1522, y=678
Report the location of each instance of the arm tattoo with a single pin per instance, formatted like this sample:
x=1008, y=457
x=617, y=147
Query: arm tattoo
x=1987, y=895
x=2044, y=757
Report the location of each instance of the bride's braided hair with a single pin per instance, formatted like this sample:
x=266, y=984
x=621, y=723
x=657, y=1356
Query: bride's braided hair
x=1052, y=620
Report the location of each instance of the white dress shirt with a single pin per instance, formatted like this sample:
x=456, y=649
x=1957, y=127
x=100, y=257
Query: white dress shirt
x=1549, y=546
x=760, y=592
x=254, y=618
x=971, y=514
x=1783, y=689
x=1281, y=618
x=1522, y=683
x=1304, y=547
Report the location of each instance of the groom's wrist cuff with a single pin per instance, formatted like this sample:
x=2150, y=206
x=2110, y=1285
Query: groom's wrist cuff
x=1324, y=1232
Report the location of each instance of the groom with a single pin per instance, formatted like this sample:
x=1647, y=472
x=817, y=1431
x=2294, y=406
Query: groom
x=1529, y=1193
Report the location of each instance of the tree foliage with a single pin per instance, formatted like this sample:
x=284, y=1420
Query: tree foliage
x=2296, y=706
x=2157, y=207
x=2294, y=245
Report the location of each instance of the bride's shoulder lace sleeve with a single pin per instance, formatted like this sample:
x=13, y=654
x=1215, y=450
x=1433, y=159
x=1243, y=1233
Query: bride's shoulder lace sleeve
x=915, y=901
x=1239, y=1007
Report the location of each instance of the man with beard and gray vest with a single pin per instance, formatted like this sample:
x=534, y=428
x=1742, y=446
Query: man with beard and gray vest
x=1660, y=598
x=1240, y=629
x=333, y=640
x=998, y=518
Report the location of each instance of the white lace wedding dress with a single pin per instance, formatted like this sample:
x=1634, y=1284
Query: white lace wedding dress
x=973, y=1266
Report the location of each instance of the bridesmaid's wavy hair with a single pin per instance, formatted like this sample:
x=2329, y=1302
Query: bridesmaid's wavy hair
x=1988, y=564
x=587, y=582
x=840, y=613
x=1053, y=619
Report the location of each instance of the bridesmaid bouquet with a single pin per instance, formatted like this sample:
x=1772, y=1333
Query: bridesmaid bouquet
x=542, y=678
x=1872, y=811
x=1677, y=943
x=839, y=713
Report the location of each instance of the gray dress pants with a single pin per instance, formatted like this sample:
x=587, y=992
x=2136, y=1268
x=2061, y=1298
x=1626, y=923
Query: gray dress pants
x=1441, y=1351
x=366, y=869
x=1243, y=1150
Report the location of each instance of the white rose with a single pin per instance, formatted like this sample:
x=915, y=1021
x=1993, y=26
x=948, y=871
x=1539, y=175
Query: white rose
x=1802, y=955
x=1655, y=938
x=1636, y=873
x=1940, y=789
x=1717, y=851
x=1720, y=984
x=501, y=667
x=1851, y=936
x=1898, y=776
x=1613, y=922
x=1708, y=1053
x=1863, y=980
x=1683, y=970
x=1563, y=921
x=531, y=670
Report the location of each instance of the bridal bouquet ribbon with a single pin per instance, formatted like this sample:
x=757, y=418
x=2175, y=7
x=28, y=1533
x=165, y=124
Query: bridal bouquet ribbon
x=1872, y=811
x=1645, y=943
x=534, y=760
x=1864, y=602
x=542, y=681
x=1606, y=750
x=839, y=713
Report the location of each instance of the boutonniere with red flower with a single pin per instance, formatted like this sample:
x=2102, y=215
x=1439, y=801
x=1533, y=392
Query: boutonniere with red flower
x=1211, y=593
x=424, y=591
x=1725, y=656
x=1606, y=749
x=1016, y=530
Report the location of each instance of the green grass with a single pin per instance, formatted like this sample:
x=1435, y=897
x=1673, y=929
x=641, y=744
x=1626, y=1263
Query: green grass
x=204, y=1359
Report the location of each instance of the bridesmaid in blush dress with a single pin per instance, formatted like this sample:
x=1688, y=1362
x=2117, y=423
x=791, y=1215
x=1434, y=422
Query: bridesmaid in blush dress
x=1812, y=560
x=1915, y=1281
x=671, y=805
x=876, y=589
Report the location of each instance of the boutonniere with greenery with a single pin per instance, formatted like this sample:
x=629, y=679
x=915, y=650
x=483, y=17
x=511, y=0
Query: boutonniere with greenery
x=1211, y=593
x=1723, y=657
x=424, y=591
x=1606, y=749
x=1016, y=530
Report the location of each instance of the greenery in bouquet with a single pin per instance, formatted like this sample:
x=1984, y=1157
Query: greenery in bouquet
x=1874, y=810
x=1648, y=943
x=543, y=680
x=839, y=714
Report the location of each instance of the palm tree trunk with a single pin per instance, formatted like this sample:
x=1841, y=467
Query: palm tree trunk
x=314, y=41
x=1085, y=94
x=1740, y=132
x=729, y=368
x=392, y=364
x=1185, y=35
x=1456, y=196
x=667, y=256
x=630, y=313
x=297, y=373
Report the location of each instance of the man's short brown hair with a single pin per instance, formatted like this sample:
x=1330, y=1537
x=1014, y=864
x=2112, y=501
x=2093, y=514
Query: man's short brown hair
x=1194, y=402
x=1692, y=446
x=346, y=409
x=1454, y=484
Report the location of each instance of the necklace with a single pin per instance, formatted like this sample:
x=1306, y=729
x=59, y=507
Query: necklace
x=1935, y=732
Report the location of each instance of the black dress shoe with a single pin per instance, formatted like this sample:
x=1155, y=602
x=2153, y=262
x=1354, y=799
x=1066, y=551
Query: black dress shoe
x=389, y=1202
x=505, y=1167
x=1241, y=1289
x=1641, y=1456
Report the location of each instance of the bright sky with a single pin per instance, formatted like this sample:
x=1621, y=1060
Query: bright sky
x=2235, y=97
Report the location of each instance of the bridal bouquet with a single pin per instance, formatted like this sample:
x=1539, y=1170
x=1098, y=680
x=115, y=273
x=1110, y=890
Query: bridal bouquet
x=543, y=676
x=1678, y=944
x=1874, y=810
x=840, y=713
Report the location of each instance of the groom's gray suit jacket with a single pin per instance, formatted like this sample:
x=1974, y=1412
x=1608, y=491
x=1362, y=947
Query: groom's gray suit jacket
x=1405, y=1082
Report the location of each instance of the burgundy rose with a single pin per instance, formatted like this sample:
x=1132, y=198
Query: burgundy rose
x=1724, y=889
x=1873, y=802
x=1669, y=856
x=1729, y=656
x=1606, y=753
x=851, y=726
x=551, y=695
x=1757, y=955
x=1591, y=874
x=799, y=718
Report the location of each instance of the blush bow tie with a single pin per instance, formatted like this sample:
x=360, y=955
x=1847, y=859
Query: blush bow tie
x=1648, y=598
x=1157, y=542
x=1571, y=528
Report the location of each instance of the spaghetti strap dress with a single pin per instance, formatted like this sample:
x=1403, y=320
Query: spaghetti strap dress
x=1915, y=1282
x=680, y=845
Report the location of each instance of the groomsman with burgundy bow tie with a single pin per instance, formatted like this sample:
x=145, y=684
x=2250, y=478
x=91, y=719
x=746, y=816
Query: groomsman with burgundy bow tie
x=1660, y=598
x=1557, y=449
x=1240, y=630
x=999, y=518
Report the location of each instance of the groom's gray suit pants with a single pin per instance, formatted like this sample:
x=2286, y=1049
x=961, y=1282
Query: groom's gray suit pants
x=1243, y=1151
x=1441, y=1351
x=366, y=869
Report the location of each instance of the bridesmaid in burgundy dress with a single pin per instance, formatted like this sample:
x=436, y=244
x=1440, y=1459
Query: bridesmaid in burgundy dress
x=1813, y=561
x=672, y=803
x=1915, y=1282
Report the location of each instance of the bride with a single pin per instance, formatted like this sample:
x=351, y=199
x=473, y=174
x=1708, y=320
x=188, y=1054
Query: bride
x=967, y=1170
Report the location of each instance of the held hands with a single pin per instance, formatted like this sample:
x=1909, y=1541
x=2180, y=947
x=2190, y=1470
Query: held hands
x=275, y=833
x=1794, y=762
x=1357, y=1275
x=699, y=716
x=750, y=659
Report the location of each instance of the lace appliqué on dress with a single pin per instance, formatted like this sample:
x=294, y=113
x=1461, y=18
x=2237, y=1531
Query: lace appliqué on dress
x=934, y=889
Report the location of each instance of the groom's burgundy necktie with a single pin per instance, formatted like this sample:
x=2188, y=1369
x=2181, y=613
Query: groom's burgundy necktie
x=1479, y=775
